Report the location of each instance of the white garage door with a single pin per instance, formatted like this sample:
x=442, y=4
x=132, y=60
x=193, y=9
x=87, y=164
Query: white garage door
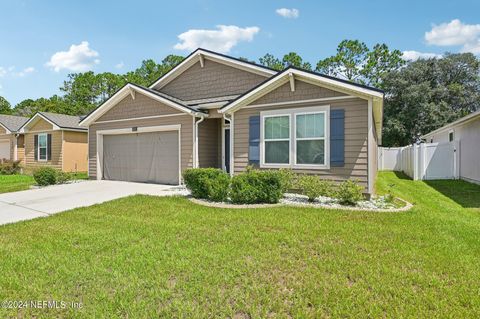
x=143, y=157
x=4, y=149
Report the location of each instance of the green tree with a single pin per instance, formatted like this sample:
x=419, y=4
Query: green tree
x=355, y=62
x=271, y=61
x=5, y=107
x=427, y=94
x=293, y=59
x=55, y=104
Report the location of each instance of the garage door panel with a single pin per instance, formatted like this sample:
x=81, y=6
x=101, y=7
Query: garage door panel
x=144, y=157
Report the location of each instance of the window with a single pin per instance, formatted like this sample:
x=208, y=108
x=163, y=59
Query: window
x=42, y=147
x=450, y=136
x=296, y=138
x=276, y=134
x=310, y=138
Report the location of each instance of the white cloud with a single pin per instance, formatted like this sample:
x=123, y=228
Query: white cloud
x=78, y=58
x=25, y=71
x=415, y=55
x=3, y=71
x=288, y=13
x=221, y=40
x=453, y=33
x=120, y=65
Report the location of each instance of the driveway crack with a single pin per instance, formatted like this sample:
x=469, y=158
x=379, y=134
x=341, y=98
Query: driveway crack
x=25, y=207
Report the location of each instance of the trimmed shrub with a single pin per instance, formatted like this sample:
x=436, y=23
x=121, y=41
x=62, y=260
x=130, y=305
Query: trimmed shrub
x=64, y=177
x=349, y=192
x=255, y=187
x=8, y=167
x=312, y=187
x=45, y=176
x=207, y=183
x=287, y=179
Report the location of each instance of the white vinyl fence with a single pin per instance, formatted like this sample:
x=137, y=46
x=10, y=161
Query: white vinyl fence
x=424, y=161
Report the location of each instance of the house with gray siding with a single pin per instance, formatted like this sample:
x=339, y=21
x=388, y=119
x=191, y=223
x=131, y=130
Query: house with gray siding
x=214, y=110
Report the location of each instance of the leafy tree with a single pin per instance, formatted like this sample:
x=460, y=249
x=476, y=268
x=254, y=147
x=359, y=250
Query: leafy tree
x=271, y=61
x=55, y=104
x=5, y=107
x=293, y=59
x=354, y=61
x=289, y=59
x=427, y=94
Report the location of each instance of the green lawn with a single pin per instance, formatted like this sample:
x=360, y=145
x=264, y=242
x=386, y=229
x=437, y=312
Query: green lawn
x=146, y=257
x=15, y=183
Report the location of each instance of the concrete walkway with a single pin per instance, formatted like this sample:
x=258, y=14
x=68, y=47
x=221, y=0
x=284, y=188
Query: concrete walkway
x=50, y=200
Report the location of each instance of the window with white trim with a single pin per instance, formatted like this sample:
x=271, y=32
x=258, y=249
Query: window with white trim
x=310, y=138
x=296, y=138
x=276, y=134
x=42, y=147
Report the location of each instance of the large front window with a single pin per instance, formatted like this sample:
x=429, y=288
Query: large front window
x=296, y=138
x=277, y=139
x=310, y=138
x=42, y=147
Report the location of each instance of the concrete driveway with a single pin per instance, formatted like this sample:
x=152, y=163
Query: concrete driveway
x=50, y=200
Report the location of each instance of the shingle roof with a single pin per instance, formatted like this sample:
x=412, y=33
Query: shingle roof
x=63, y=121
x=12, y=123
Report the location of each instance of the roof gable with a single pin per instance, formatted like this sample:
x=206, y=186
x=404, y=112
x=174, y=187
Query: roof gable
x=131, y=89
x=213, y=79
x=200, y=55
x=12, y=123
x=52, y=121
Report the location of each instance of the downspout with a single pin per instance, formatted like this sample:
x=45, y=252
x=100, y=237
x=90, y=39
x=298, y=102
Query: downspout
x=202, y=118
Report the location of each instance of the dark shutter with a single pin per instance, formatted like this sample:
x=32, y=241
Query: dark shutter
x=337, y=138
x=49, y=147
x=35, y=147
x=254, y=141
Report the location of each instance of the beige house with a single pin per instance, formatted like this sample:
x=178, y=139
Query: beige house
x=11, y=141
x=55, y=140
x=213, y=110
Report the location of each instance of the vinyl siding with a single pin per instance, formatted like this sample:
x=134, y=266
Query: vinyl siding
x=21, y=149
x=208, y=140
x=75, y=150
x=40, y=125
x=140, y=107
x=213, y=80
x=356, y=130
x=57, y=154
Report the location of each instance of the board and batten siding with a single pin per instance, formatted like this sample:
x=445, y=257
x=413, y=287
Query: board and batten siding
x=129, y=110
x=356, y=129
x=213, y=80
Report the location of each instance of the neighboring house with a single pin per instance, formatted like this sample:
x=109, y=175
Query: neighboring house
x=11, y=142
x=467, y=132
x=217, y=111
x=55, y=140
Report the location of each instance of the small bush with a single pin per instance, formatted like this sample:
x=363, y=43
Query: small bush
x=312, y=187
x=207, y=183
x=287, y=179
x=64, y=177
x=8, y=167
x=45, y=176
x=255, y=186
x=349, y=192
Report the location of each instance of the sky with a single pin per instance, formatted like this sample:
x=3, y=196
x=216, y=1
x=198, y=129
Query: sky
x=41, y=42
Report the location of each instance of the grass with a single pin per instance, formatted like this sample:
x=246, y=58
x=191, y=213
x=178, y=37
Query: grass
x=15, y=183
x=144, y=257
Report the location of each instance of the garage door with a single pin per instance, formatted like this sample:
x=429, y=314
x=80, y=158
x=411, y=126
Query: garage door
x=4, y=149
x=143, y=157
